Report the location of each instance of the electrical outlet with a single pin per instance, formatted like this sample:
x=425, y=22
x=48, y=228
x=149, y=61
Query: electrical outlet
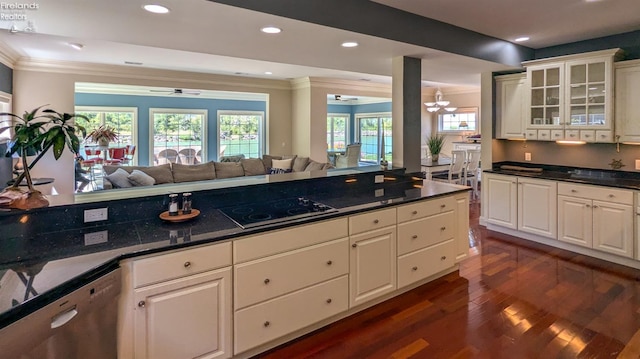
x=379, y=179
x=527, y=156
x=96, y=238
x=637, y=164
x=94, y=215
x=379, y=192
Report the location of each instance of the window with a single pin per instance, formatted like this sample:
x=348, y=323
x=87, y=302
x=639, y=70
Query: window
x=5, y=121
x=374, y=133
x=177, y=136
x=241, y=133
x=122, y=119
x=337, y=131
x=456, y=121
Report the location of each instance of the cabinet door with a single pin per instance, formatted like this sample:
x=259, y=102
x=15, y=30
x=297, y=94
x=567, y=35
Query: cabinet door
x=545, y=96
x=613, y=228
x=372, y=265
x=510, y=109
x=575, y=221
x=588, y=93
x=537, y=207
x=501, y=200
x=188, y=317
x=627, y=104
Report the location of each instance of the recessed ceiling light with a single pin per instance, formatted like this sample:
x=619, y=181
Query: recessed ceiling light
x=156, y=9
x=349, y=44
x=268, y=73
x=76, y=45
x=521, y=39
x=271, y=30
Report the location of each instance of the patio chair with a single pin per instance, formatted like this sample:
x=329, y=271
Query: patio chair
x=350, y=158
x=187, y=156
x=168, y=155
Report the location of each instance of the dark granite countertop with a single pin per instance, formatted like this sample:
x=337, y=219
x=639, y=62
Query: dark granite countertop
x=599, y=177
x=38, y=268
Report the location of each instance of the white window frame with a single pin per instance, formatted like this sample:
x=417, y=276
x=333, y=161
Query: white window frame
x=460, y=110
x=205, y=139
x=347, y=132
x=5, y=121
x=103, y=109
x=262, y=136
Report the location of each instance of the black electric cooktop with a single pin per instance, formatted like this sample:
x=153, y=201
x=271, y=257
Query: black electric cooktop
x=264, y=213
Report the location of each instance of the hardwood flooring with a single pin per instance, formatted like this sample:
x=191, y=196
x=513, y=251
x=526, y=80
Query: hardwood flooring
x=511, y=299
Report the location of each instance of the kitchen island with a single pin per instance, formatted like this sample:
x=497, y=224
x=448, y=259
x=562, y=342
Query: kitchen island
x=57, y=262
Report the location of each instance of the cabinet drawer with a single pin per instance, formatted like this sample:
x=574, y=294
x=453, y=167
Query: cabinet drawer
x=270, y=243
x=179, y=264
x=372, y=221
x=264, y=322
x=421, y=264
x=531, y=134
x=544, y=135
x=270, y=277
x=599, y=193
x=425, y=232
x=557, y=135
x=572, y=135
x=604, y=136
x=425, y=208
x=588, y=135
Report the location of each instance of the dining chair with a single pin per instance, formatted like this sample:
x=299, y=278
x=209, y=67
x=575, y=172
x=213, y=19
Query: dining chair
x=168, y=155
x=350, y=158
x=130, y=151
x=116, y=156
x=93, y=154
x=456, y=172
x=472, y=170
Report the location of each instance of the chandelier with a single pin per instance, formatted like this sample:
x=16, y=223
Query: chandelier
x=440, y=104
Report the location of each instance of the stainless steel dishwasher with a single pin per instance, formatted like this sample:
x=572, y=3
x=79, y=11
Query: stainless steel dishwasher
x=81, y=324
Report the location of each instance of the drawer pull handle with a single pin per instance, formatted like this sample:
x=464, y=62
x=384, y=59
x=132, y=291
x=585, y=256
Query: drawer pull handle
x=594, y=206
x=266, y=324
x=443, y=258
x=415, y=236
x=141, y=304
x=443, y=228
x=573, y=191
x=187, y=264
x=376, y=221
x=329, y=263
x=414, y=268
x=443, y=205
x=354, y=245
x=329, y=301
x=588, y=206
x=267, y=281
x=611, y=196
x=414, y=212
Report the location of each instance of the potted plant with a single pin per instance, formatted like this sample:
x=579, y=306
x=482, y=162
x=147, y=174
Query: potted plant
x=103, y=135
x=435, y=143
x=34, y=134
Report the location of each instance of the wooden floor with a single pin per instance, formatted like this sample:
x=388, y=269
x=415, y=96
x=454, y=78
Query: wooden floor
x=511, y=299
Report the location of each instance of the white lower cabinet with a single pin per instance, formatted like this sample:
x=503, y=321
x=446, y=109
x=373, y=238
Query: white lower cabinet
x=585, y=218
x=537, y=207
x=501, y=200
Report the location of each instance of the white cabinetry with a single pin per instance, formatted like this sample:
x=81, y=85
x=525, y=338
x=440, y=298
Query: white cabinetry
x=524, y=204
x=182, y=304
x=627, y=104
x=596, y=217
x=373, y=255
x=511, y=108
x=571, y=97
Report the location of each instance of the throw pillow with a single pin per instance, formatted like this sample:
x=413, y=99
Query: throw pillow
x=188, y=173
x=228, y=169
x=139, y=178
x=275, y=171
x=268, y=160
x=314, y=166
x=253, y=166
x=284, y=164
x=119, y=179
x=162, y=173
x=300, y=163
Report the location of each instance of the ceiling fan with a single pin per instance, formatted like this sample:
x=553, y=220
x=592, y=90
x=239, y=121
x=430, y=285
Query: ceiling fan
x=178, y=92
x=345, y=98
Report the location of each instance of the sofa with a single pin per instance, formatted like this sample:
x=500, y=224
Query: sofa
x=228, y=167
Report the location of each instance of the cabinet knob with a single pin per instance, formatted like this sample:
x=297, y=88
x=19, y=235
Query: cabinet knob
x=414, y=268
x=572, y=135
x=141, y=304
x=594, y=206
x=611, y=196
x=443, y=258
x=354, y=245
x=587, y=136
x=603, y=136
x=414, y=212
x=573, y=191
x=329, y=263
x=266, y=281
x=415, y=236
x=266, y=324
x=187, y=264
x=443, y=205
x=329, y=301
x=588, y=206
x=376, y=221
x=443, y=228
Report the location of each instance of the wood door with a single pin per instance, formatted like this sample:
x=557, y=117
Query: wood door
x=372, y=265
x=575, y=221
x=613, y=228
x=188, y=317
x=537, y=207
x=501, y=200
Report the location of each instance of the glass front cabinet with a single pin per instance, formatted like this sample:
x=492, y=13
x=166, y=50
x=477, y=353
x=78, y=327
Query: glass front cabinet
x=570, y=98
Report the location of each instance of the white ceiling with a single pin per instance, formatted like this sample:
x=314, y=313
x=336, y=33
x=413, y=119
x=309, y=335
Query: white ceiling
x=202, y=36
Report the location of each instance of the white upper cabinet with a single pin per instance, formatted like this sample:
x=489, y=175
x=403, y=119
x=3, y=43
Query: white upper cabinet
x=572, y=96
x=627, y=104
x=511, y=108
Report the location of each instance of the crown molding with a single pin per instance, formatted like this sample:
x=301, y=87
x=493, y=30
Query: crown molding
x=142, y=73
x=8, y=56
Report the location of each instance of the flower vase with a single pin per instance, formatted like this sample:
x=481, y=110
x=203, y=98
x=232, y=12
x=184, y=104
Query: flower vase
x=434, y=158
x=103, y=142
